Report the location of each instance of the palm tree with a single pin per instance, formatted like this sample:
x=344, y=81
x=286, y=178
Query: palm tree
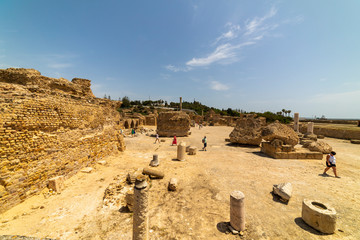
x=284, y=111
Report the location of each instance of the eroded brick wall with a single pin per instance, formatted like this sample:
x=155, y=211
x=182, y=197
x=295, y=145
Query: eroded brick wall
x=44, y=136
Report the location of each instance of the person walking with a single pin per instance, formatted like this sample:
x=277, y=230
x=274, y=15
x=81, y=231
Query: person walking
x=174, y=141
x=204, y=141
x=157, y=138
x=331, y=163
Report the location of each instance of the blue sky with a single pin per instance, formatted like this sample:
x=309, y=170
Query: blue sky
x=252, y=55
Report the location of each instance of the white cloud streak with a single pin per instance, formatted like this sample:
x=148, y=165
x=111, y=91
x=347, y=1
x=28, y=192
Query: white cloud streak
x=229, y=44
x=215, y=85
x=222, y=52
x=60, y=65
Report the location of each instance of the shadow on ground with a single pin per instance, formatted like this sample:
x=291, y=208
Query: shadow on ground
x=306, y=227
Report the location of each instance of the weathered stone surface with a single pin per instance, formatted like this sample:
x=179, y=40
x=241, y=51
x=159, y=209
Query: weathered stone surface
x=354, y=141
x=173, y=123
x=318, y=215
x=87, y=170
x=173, y=184
x=192, y=150
x=56, y=184
x=129, y=199
x=319, y=146
x=50, y=127
x=311, y=136
x=248, y=131
x=153, y=173
x=283, y=190
x=280, y=131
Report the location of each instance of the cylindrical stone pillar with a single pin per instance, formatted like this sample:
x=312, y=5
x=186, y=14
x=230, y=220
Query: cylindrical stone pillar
x=237, y=210
x=155, y=161
x=296, y=122
x=141, y=204
x=181, y=151
x=180, y=103
x=310, y=128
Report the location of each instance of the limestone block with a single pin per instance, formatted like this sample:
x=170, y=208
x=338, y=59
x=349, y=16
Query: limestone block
x=173, y=183
x=129, y=199
x=280, y=131
x=354, y=141
x=319, y=146
x=87, y=170
x=192, y=150
x=56, y=184
x=318, y=215
x=153, y=173
x=284, y=190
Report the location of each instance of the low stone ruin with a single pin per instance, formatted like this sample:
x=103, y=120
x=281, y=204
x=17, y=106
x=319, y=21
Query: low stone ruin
x=174, y=123
x=248, y=131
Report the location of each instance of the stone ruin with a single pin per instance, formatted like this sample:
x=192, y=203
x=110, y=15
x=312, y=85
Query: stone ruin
x=50, y=127
x=277, y=140
x=174, y=123
x=248, y=131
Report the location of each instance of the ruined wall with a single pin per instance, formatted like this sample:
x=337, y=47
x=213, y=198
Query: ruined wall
x=48, y=132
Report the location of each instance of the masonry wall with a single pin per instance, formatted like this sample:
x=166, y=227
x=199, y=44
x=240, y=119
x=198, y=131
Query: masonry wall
x=44, y=136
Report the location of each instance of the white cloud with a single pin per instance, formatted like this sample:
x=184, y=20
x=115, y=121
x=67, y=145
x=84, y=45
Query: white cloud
x=177, y=69
x=229, y=43
x=222, y=52
x=215, y=85
x=256, y=24
x=230, y=34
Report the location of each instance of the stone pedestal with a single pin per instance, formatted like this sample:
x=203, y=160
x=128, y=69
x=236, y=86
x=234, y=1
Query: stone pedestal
x=56, y=184
x=296, y=122
x=310, y=128
x=192, y=150
x=141, y=213
x=319, y=216
x=237, y=210
x=155, y=161
x=181, y=151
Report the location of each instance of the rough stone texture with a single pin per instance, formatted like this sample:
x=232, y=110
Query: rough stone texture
x=173, y=184
x=278, y=153
x=192, y=150
x=280, y=131
x=129, y=199
x=173, y=123
x=237, y=210
x=153, y=173
x=318, y=215
x=283, y=190
x=49, y=127
x=56, y=184
x=181, y=151
x=296, y=122
x=248, y=131
x=319, y=146
x=141, y=214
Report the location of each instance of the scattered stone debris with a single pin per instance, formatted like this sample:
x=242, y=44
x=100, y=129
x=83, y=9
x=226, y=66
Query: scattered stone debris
x=354, y=141
x=115, y=193
x=102, y=162
x=87, y=170
x=153, y=173
x=56, y=184
x=319, y=146
x=283, y=190
x=173, y=184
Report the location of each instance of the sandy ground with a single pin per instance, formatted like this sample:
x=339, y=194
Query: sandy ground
x=200, y=208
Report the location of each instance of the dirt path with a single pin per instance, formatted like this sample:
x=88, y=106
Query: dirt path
x=201, y=206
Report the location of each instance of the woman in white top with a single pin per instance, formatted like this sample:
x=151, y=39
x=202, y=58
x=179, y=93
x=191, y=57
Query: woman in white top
x=331, y=163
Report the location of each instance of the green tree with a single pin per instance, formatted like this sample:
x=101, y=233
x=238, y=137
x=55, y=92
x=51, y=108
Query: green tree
x=125, y=102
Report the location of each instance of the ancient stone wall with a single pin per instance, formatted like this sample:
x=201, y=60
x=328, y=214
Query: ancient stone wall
x=173, y=123
x=43, y=136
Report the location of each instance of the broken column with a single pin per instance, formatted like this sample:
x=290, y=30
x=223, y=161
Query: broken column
x=155, y=161
x=237, y=210
x=192, y=150
x=296, y=122
x=310, y=128
x=181, y=151
x=180, y=103
x=141, y=204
